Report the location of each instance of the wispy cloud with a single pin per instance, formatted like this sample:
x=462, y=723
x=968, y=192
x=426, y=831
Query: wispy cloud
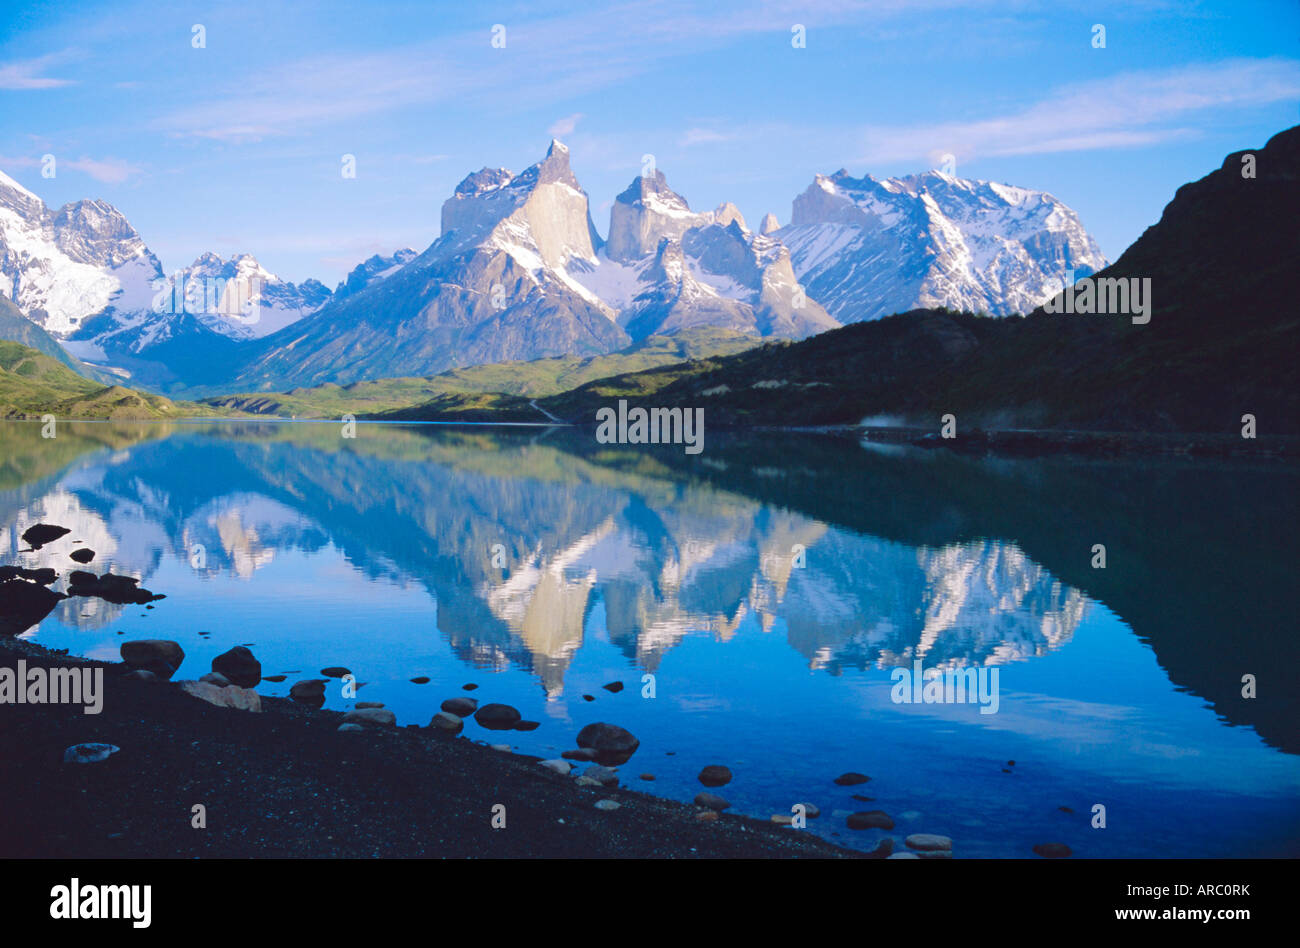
x=107, y=170
x=702, y=136
x=565, y=126
x=27, y=74
x=1127, y=110
x=544, y=60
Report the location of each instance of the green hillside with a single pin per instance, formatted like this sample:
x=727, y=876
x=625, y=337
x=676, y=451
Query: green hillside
x=525, y=379
x=33, y=384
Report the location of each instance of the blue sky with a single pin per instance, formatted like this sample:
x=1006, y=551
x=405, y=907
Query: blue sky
x=237, y=147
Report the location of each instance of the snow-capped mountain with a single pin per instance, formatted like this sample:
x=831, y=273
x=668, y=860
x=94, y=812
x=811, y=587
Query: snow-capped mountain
x=666, y=267
x=373, y=270
x=494, y=287
x=519, y=272
x=62, y=267
x=866, y=248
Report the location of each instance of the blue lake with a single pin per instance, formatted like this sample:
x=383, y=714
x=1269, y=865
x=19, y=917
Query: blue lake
x=769, y=585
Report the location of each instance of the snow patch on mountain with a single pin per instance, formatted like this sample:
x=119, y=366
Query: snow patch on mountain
x=867, y=248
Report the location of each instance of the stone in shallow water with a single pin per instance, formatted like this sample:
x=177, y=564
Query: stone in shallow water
x=851, y=779
x=310, y=691
x=140, y=674
x=928, y=842
x=588, y=782
x=497, y=717
x=447, y=722
x=711, y=801
x=42, y=577
x=82, y=555
x=239, y=666
x=614, y=687
x=119, y=590
x=421, y=680
x=216, y=678
x=715, y=775
x=89, y=753
x=707, y=816
x=811, y=810
x=39, y=534
x=585, y=754
x=470, y=687
x=275, y=678
x=527, y=725
x=607, y=804
x=561, y=767
x=613, y=744
x=24, y=604
x=903, y=856
x=348, y=728
x=160, y=656
x=1052, y=850
x=362, y=705
x=870, y=819
x=335, y=671
x=461, y=707
x=606, y=775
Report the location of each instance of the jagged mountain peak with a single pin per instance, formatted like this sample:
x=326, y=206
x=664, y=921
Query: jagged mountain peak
x=868, y=247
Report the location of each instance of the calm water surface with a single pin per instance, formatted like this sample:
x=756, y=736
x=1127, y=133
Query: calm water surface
x=769, y=585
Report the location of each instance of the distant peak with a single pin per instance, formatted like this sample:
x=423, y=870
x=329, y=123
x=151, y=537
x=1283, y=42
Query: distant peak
x=10, y=183
x=557, y=146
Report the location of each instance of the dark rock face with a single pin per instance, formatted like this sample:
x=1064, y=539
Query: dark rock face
x=160, y=656
x=120, y=590
x=37, y=535
x=239, y=666
x=23, y=604
x=497, y=717
x=613, y=745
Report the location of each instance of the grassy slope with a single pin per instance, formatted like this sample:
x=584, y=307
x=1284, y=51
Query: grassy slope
x=456, y=390
x=15, y=327
x=33, y=384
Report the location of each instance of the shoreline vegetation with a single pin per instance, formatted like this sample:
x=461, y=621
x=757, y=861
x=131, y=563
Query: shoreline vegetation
x=285, y=781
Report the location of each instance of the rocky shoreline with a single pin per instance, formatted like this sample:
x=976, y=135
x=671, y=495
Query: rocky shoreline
x=290, y=780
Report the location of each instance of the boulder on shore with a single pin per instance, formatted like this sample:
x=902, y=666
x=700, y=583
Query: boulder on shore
x=231, y=696
x=160, y=656
x=239, y=666
x=613, y=745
